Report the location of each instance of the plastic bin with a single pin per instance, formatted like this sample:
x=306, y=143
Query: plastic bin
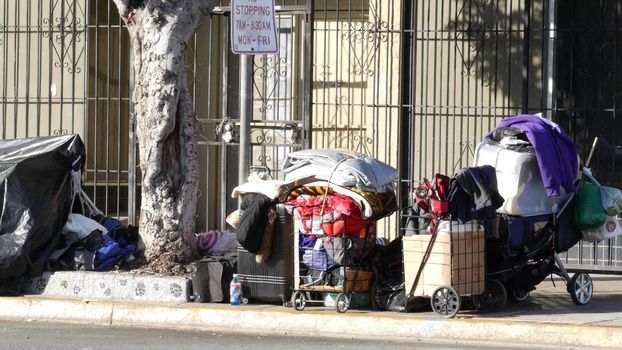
x=518, y=180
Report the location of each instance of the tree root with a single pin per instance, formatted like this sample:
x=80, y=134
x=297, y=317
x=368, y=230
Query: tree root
x=166, y=264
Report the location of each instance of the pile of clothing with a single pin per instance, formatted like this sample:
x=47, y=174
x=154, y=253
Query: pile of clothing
x=335, y=214
x=334, y=196
x=255, y=220
x=99, y=243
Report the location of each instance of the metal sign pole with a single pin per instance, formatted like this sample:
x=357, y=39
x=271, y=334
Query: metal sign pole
x=245, y=118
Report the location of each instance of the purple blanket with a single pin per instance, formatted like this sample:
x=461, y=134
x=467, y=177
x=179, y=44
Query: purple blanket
x=555, y=152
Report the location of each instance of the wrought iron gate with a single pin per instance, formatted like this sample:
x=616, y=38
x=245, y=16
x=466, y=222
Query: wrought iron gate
x=65, y=69
x=469, y=63
x=356, y=80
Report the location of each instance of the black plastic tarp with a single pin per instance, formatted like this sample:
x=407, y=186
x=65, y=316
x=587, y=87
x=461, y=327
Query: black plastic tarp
x=35, y=200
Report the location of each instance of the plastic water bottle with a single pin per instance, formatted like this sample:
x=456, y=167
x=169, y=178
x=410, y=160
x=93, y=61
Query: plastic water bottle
x=235, y=291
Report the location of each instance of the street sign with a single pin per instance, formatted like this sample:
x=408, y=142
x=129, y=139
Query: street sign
x=253, y=28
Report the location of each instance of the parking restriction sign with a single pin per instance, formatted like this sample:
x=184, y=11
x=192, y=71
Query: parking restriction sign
x=253, y=29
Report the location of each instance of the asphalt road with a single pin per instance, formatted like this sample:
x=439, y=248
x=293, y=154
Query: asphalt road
x=35, y=335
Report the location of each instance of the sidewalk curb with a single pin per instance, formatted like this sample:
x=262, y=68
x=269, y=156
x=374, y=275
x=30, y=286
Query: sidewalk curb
x=268, y=321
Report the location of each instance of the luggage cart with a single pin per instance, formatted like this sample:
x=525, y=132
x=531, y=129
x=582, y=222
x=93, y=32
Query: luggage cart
x=445, y=264
x=443, y=259
x=345, y=279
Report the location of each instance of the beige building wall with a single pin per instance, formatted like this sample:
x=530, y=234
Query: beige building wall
x=42, y=64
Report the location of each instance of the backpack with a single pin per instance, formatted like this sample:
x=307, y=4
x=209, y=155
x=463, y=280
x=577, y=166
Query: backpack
x=211, y=277
x=116, y=230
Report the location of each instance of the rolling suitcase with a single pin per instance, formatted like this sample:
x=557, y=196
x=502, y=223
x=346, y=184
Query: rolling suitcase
x=271, y=281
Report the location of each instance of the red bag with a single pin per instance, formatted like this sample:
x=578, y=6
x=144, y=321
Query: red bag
x=433, y=198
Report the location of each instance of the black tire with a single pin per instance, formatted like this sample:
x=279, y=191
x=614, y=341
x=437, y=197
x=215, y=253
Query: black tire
x=299, y=301
x=445, y=302
x=520, y=295
x=494, y=297
x=581, y=288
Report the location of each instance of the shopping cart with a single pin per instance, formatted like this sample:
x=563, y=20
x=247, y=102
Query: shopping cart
x=337, y=267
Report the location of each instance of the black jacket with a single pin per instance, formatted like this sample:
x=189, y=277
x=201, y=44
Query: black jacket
x=473, y=195
x=253, y=221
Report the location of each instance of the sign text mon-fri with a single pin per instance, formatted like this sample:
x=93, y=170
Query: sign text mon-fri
x=253, y=29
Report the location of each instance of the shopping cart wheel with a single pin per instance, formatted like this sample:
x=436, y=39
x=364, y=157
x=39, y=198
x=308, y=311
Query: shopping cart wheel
x=445, y=301
x=494, y=297
x=581, y=288
x=520, y=294
x=342, y=302
x=299, y=301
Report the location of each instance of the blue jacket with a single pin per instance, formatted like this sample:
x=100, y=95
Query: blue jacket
x=555, y=152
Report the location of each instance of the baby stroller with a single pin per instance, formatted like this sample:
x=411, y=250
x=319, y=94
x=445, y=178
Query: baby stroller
x=517, y=272
x=533, y=230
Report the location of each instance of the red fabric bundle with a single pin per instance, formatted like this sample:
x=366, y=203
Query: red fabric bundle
x=339, y=214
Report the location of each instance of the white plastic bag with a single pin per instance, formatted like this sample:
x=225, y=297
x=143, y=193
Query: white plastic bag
x=612, y=200
x=611, y=228
x=611, y=197
x=82, y=225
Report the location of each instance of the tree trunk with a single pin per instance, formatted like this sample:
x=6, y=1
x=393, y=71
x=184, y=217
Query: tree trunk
x=165, y=125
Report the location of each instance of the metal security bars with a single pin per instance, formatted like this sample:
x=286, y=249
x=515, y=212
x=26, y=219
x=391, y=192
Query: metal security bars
x=589, y=103
x=415, y=84
x=279, y=106
x=107, y=126
x=356, y=80
x=43, y=66
x=468, y=63
x=65, y=69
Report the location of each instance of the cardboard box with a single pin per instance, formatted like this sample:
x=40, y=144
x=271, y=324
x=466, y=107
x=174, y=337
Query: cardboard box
x=457, y=259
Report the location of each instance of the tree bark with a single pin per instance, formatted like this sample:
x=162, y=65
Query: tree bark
x=166, y=126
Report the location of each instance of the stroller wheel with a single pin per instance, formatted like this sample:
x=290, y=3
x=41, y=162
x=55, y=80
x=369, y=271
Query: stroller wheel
x=581, y=288
x=494, y=297
x=299, y=301
x=520, y=294
x=342, y=302
x=445, y=301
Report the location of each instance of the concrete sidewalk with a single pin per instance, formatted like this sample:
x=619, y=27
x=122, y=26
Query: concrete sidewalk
x=551, y=303
x=549, y=317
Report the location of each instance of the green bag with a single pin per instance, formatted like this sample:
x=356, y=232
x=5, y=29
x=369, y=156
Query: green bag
x=589, y=211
